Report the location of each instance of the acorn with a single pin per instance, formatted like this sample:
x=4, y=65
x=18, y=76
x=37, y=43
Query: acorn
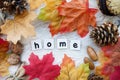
x=106, y=34
x=13, y=59
x=17, y=48
x=109, y=7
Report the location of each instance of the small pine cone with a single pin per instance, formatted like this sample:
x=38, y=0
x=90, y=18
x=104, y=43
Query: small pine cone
x=105, y=34
x=13, y=59
x=94, y=77
x=17, y=48
x=13, y=6
x=109, y=7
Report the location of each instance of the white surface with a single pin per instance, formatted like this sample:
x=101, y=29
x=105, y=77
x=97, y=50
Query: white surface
x=42, y=31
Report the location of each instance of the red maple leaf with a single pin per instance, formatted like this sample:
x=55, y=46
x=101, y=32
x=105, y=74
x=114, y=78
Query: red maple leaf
x=77, y=16
x=4, y=45
x=116, y=74
x=42, y=68
x=110, y=49
x=109, y=65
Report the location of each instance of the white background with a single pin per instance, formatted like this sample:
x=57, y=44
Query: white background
x=42, y=31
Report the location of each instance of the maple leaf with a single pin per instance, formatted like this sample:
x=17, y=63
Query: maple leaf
x=50, y=13
x=69, y=72
x=99, y=69
x=4, y=66
x=34, y=4
x=116, y=74
x=110, y=49
x=109, y=65
x=77, y=16
x=19, y=27
x=42, y=68
x=4, y=45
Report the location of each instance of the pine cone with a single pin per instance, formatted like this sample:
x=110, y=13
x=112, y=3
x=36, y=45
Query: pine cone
x=105, y=34
x=110, y=7
x=94, y=77
x=13, y=6
x=17, y=48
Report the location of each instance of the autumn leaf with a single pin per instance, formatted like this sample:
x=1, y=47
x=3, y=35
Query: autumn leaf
x=50, y=13
x=34, y=4
x=4, y=66
x=109, y=65
x=19, y=27
x=77, y=16
x=108, y=61
x=102, y=60
x=116, y=74
x=42, y=69
x=4, y=45
x=106, y=67
x=70, y=72
x=110, y=49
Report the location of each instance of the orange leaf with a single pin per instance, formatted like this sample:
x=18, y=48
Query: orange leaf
x=4, y=66
x=102, y=60
x=77, y=16
x=67, y=60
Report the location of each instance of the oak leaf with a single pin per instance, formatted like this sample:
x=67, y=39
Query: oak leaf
x=50, y=13
x=19, y=27
x=42, y=69
x=77, y=16
x=70, y=72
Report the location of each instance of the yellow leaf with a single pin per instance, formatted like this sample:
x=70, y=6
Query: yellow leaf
x=34, y=4
x=19, y=27
x=50, y=13
x=70, y=72
x=102, y=60
x=4, y=65
x=83, y=72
